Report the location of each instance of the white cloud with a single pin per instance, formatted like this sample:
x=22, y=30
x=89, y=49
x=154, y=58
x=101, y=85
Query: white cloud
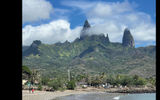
x=61, y=11
x=113, y=17
x=35, y=10
x=78, y=4
x=50, y=33
x=102, y=10
x=109, y=18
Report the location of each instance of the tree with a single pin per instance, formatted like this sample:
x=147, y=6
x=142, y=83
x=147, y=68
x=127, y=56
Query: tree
x=35, y=76
x=89, y=80
x=26, y=72
x=103, y=77
x=40, y=87
x=71, y=85
x=152, y=80
x=44, y=80
x=95, y=81
x=126, y=80
x=112, y=80
x=140, y=81
x=56, y=84
x=135, y=77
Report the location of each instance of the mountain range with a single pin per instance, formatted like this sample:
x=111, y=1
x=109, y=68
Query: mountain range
x=91, y=54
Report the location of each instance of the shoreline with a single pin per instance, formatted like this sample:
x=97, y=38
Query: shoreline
x=133, y=90
x=45, y=95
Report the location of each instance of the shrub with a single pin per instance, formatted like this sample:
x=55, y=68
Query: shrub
x=44, y=80
x=126, y=80
x=56, y=84
x=140, y=81
x=152, y=80
x=40, y=87
x=26, y=72
x=71, y=85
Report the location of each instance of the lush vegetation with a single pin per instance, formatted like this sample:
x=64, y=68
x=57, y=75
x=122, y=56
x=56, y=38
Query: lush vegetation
x=127, y=80
x=90, y=55
x=40, y=87
x=71, y=85
x=62, y=83
x=26, y=72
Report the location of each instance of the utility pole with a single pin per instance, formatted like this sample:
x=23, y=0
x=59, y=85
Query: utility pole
x=68, y=75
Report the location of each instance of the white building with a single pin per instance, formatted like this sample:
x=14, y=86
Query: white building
x=24, y=81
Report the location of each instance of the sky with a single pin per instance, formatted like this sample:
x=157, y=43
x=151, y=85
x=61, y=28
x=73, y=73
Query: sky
x=54, y=21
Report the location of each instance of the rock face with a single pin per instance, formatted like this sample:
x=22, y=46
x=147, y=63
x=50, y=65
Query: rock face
x=36, y=43
x=86, y=26
x=128, y=40
x=107, y=38
x=84, y=35
x=33, y=49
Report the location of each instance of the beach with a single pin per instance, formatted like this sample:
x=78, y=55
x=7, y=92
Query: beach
x=45, y=95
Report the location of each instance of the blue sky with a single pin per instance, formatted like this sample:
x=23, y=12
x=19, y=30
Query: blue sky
x=147, y=6
x=59, y=20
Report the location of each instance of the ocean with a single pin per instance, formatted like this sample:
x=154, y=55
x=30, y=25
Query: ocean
x=109, y=96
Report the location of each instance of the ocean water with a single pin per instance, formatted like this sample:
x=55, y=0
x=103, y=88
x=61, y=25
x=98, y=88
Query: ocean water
x=109, y=96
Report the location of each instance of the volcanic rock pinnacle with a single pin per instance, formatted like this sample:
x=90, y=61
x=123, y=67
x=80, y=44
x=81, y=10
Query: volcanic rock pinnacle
x=128, y=40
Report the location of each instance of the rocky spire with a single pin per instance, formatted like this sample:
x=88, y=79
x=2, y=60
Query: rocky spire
x=107, y=38
x=86, y=26
x=128, y=40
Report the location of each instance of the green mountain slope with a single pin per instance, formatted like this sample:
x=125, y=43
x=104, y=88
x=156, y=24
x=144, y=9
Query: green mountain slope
x=90, y=54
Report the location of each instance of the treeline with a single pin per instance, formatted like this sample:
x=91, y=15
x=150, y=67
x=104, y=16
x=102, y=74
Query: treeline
x=62, y=83
x=117, y=80
x=58, y=83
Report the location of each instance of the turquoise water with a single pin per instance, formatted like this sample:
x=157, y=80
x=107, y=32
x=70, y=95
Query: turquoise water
x=109, y=96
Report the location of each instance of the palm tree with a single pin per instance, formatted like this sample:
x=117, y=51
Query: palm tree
x=26, y=72
x=35, y=76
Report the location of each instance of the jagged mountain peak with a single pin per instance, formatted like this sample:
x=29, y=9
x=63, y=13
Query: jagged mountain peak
x=128, y=40
x=84, y=31
x=33, y=48
x=36, y=43
x=86, y=24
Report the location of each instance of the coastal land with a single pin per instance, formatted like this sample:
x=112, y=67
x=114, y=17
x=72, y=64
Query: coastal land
x=46, y=95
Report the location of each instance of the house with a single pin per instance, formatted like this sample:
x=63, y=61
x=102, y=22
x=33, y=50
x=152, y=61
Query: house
x=24, y=81
x=36, y=82
x=84, y=86
x=107, y=85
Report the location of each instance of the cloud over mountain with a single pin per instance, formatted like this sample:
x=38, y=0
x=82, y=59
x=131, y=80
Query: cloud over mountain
x=50, y=33
x=105, y=17
x=114, y=17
